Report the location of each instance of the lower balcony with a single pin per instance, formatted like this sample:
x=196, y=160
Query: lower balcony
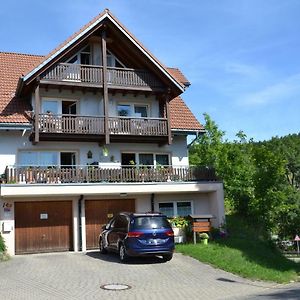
x=97, y=174
x=72, y=127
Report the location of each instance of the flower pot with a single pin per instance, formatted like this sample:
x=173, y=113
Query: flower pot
x=204, y=241
x=179, y=235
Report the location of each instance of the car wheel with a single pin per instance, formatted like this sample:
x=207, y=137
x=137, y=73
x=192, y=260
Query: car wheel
x=167, y=257
x=122, y=253
x=101, y=247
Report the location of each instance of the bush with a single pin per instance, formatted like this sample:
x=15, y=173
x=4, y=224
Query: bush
x=2, y=245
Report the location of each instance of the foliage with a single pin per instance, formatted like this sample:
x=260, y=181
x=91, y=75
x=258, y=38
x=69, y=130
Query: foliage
x=179, y=222
x=204, y=236
x=245, y=252
x=2, y=245
x=261, y=179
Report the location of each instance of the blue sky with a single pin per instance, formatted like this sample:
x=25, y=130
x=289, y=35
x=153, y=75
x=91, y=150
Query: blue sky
x=242, y=57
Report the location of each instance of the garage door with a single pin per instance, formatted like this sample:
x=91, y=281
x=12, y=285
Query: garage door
x=97, y=214
x=43, y=226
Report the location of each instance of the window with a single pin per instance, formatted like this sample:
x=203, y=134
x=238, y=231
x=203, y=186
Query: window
x=124, y=110
x=50, y=106
x=36, y=158
x=140, y=111
x=133, y=110
x=162, y=159
x=113, y=62
x=121, y=222
x=82, y=57
x=167, y=209
x=176, y=208
x=146, y=159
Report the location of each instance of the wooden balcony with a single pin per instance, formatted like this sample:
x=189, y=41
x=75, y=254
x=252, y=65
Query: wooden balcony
x=92, y=76
x=95, y=174
x=75, y=127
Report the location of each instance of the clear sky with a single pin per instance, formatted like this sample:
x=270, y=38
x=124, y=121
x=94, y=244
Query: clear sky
x=241, y=56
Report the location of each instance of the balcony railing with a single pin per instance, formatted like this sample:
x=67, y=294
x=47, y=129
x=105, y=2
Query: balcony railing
x=90, y=74
x=95, y=174
x=70, y=124
x=75, y=124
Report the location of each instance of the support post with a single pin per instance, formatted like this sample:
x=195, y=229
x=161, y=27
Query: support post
x=37, y=113
x=168, y=118
x=105, y=88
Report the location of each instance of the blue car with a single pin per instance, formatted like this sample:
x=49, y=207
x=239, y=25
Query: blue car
x=138, y=234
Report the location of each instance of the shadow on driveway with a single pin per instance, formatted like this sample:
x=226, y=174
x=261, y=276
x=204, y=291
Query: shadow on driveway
x=114, y=258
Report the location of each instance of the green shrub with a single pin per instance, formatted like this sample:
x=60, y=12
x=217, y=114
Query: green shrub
x=2, y=245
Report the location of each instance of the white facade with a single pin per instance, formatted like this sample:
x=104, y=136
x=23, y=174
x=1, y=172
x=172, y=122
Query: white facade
x=13, y=142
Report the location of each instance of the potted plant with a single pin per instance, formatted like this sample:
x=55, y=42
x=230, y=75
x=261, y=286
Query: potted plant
x=204, y=238
x=179, y=226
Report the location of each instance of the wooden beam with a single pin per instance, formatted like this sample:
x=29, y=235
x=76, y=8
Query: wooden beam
x=105, y=87
x=168, y=118
x=37, y=113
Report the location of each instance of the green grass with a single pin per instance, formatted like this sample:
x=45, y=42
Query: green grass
x=246, y=254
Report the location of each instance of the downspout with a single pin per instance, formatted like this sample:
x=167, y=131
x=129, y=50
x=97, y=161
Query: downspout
x=79, y=222
x=152, y=202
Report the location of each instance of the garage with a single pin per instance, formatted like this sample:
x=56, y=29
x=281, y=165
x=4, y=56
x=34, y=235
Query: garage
x=98, y=213
x=43, y=226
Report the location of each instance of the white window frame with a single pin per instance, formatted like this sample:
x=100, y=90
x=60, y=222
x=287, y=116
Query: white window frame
x=132, y=106
x=137, y=158
x=58, y=152
x=175, y=205
x=60, y=101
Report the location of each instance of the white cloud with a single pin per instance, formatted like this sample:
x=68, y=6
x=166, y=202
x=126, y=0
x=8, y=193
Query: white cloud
x=281, y=91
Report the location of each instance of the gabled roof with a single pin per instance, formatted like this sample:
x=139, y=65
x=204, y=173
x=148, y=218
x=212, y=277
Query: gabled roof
x=12, y=66
x=12, y=109
x=86, y=30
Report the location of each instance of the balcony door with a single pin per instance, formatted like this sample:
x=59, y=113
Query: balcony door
x=67, y=159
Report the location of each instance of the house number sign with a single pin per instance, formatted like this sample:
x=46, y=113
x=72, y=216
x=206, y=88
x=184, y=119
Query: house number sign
x=44, y=216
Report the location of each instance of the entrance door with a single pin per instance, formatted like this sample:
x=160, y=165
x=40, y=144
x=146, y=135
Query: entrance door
x=43, y=226
x=99, y=212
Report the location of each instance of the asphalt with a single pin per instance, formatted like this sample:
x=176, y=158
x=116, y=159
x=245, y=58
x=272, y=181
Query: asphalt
x=82, y=276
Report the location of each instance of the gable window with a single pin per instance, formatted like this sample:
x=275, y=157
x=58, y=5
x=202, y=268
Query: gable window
x=175, y=208
x=112, y=61
x=83, y=57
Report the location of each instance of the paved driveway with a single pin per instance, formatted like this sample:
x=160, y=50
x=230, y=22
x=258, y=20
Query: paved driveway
x=79, y=276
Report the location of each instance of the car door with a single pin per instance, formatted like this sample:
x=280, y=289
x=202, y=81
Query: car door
x=118, y=231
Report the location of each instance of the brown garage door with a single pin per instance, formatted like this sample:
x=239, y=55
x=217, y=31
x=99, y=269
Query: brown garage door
x=96, y=215
x=43, y=226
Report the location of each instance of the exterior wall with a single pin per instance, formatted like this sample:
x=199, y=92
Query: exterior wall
x=91, y=104
x=13, y=141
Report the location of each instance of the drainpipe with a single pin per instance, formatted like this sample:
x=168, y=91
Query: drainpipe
x=79, y=222
x=152, y=202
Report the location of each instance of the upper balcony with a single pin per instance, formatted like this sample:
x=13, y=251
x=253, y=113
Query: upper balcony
x=91, y=128
x=92, y=76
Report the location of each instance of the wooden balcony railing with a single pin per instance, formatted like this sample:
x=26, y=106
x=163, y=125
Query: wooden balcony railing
x=71, y=124
x=138, y=126
x=95, y=174
x=75, y=124
x=116, y=77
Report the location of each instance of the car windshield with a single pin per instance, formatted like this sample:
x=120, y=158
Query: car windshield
x=150, y=222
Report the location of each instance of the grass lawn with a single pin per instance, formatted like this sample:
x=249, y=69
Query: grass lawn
x=246, y=255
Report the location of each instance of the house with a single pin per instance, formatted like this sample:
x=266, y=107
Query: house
x=95, y=127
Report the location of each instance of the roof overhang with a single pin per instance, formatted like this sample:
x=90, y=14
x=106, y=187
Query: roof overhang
x=15, y=126
x=106, y=15
x=188, y=131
